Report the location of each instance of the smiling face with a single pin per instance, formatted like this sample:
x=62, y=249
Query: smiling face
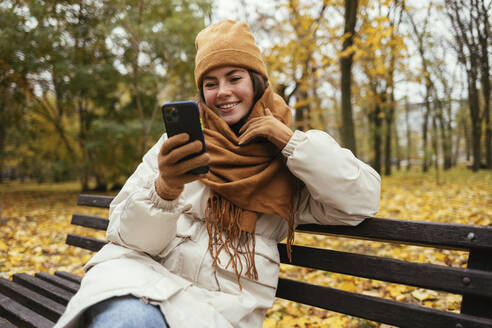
x=228, y=91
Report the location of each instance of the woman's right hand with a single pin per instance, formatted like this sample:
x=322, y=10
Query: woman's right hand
x=173, y=174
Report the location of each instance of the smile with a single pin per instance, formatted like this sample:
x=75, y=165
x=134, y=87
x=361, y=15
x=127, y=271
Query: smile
x=227, y=107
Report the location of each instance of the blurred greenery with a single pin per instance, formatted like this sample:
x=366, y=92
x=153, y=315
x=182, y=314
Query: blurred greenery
x=81, y=83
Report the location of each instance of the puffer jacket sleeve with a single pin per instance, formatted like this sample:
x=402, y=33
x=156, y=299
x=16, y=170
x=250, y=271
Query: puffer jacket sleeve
x=138, y=218
x=339, y=188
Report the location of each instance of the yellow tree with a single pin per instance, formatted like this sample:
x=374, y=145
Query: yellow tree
x=380, y=47
x=298, y=60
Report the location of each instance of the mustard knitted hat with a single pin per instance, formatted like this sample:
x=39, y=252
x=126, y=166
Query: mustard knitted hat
x=227, y=42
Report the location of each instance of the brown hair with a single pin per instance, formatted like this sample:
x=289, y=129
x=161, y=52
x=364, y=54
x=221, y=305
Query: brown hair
x=260, y=83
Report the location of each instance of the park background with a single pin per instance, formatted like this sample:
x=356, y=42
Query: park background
x=404, y=84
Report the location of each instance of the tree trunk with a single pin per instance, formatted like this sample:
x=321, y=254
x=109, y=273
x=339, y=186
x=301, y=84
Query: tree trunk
x=476, y=123
x=456, y=152
x=409, y=135
x=468, y=141
x=2, y=152
x=488, y=136
x=435, y=146
x=302, y=114
x=375, y=118
x=485, y=83
x=425, y=161
x=83, y=131
x=397, y=146
x=387, y=138
x=483, y=37
x=348, y=131
x=444, y=135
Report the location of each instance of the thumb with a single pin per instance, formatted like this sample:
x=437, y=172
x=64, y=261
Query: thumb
x=268, y=112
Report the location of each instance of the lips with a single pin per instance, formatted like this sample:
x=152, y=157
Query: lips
x=227, y=108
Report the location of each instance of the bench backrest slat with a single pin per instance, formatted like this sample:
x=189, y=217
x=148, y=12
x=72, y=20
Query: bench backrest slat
x=94, y=200
x=440, y=235
x=88, y=243
x=90, y=221
x=436, y=277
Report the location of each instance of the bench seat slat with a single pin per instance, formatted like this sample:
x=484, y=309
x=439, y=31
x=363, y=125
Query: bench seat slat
x=42, y=287
x=69, y=276
x=22, y=316
x=36, y=302
x=58, y=281
x=423, y=275
x=440, y=235
x=90, y=221
x=6, y=324
x=375, y=308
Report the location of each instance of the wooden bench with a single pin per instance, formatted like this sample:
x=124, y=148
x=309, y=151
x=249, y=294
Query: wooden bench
x=39, y=300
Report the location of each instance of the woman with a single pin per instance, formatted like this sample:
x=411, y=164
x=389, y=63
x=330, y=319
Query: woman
x=200, y=251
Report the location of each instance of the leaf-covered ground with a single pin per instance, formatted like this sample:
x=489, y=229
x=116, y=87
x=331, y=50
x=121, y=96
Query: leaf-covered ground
x=36, y=218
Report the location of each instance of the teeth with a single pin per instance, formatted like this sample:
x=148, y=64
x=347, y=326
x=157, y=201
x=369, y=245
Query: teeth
x=227, y=106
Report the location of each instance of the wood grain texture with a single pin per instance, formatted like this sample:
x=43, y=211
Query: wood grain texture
x=68, y=285
x=42, y=287
x=375, y=308
x=69, y=276
x=90, y=221
x=423, y=275
x=21, y=315
x=34, y=301
x=89, y=243
x=94, y=200
x=439, y=235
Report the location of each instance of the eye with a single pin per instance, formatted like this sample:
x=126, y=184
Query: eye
x=209, y=85
x=236, y=78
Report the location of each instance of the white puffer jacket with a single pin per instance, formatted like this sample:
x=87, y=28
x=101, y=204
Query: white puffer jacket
x=158, y=249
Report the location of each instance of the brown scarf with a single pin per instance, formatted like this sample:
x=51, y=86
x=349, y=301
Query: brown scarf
x=245, y=180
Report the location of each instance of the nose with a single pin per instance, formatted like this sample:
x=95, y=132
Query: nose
x=223, y=91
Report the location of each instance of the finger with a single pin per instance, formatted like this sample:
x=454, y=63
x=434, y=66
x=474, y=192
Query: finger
x=174, y=142
x=268, y=112
x=167, y=163
x=176, y=172
x=245, y=127
x=187, y=178
x=249, y=135
x=249, y=123
x=192, y=163
x=182, y=151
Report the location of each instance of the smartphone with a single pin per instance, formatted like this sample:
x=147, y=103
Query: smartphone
x=184, y=116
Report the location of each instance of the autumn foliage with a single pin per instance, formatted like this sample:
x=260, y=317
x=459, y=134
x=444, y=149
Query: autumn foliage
x=36, y=219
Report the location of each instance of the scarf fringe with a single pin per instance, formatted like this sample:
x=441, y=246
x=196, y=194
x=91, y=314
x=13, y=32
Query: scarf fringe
x=225, y=234
x=295, y=198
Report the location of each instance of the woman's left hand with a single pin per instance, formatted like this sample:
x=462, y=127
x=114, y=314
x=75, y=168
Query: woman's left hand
x=267, y=127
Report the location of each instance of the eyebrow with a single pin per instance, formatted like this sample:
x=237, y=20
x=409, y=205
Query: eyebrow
x=227, y=74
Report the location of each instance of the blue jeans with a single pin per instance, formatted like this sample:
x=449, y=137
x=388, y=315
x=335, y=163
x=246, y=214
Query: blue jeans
x=124, y=312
